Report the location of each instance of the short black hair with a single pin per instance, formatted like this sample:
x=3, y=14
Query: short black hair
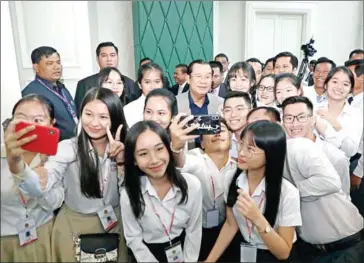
x=356, y=51
x=106, y=44
x=222, y=55
x=273, y=113
x=353, y=62
x=183, y=67
x=293, y=58
x=313, y=62
x=145, y=59
x=197, y=61
x=298, y=99
x=359, y=69
x=325, y=60
x=238, y=94
x=268, y=61
x=216, y=64
x=39, y=52
x=296, y=81
x=255, y=60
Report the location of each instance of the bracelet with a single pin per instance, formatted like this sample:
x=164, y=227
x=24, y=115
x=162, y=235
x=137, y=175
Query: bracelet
x=175, y=151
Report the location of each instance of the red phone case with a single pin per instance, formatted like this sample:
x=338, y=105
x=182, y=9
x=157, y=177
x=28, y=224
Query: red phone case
x=46, y=141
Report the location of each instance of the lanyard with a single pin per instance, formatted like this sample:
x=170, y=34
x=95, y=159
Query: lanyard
x=166, y=231
x=62, y=97
x=24, y=203
x=250, y=228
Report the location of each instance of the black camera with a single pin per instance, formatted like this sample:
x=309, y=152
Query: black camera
x=308, y=48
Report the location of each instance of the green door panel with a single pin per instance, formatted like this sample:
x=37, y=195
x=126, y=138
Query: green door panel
x=172, y=32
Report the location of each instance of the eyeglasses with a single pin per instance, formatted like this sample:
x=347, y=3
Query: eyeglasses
x=200, y=77
x=269, y=88
x=248, y=153
x=300, y=118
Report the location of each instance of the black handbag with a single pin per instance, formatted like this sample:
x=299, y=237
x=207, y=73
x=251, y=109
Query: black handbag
x=102, y=247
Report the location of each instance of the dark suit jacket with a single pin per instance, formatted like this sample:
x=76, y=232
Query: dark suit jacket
x=64, y=120
x=175, y=88
x=131, y=91
x=223, y=90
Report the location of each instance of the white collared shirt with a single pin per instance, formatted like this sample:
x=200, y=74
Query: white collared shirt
x=64, y=168
x=12, y=209
x=348, y=138
x=312, y=95
x=358, y=101
x=340, y=162
x=188, y=217
x=234, y=147
x=181, y=87
x=288, y=214
x=212, y=180
x=216, y=90
x=327, y=214
x=133, y=111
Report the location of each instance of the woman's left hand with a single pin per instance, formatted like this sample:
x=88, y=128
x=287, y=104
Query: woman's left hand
x=247, y=207
x=116, y=148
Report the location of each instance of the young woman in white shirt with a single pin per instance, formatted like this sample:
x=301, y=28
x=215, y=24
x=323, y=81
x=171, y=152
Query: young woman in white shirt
x=87, y=167
x=111, y=78
x=32, y=243
x=263, y=205
x=338, y=122
x=150, y=77
x=286, y=85
x=162, y=208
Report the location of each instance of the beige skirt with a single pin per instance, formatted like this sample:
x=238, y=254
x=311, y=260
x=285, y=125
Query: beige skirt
x=63, y=247
x=38, y=251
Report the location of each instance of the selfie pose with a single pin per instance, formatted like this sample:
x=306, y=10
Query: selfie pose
x=263, y=205
x=161, y=207
x=87, y=166
x=26, y=222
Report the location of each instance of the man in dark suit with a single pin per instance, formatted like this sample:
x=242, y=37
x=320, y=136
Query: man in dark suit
x=180, y=76
x=146, y=60
x=224, y=60
x=107, y=56
x=218, y=87
x=48, y=68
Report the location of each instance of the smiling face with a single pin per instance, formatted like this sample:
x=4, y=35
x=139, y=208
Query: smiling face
x=218, y=142
x=265, y=91
x=151, y=155
x=320, y=74
x=239, y=81
x=235, y=112
x=339, y=86
x=285, y=89
x=283, y=65
x=201, y=79
x=303, y=122
x=158, y=110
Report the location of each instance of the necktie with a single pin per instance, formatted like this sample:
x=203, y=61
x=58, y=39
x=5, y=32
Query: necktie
x=350, y=100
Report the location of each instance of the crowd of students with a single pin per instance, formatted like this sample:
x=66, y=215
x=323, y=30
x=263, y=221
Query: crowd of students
x=128, y=164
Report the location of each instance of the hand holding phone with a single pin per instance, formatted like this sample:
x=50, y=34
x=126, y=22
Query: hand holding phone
x=206, y=124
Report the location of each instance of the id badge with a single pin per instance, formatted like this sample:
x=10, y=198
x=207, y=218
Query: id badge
x=174, y=253
x=107, y=217
x=212, y=218
x=27, y=231
x=248, y=253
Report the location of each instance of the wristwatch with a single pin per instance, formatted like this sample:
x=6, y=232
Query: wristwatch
x=266, y=230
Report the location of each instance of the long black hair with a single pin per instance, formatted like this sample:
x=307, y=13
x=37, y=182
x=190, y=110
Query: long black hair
x=133, y=173
x=271, y=138
x=88, y=159
x=104, y=75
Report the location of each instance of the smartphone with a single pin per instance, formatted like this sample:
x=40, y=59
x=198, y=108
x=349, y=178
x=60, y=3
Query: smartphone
x=209, y=124
x=46, y=141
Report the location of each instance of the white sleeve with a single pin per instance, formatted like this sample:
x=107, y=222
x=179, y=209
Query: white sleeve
x=290, y=213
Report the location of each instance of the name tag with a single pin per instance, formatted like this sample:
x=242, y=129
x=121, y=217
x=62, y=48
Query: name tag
x=107, y=217
x=212, y=218
x=27, y=231
x=174, y=253
x=248, y=253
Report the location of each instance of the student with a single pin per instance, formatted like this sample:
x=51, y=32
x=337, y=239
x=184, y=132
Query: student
x=263, y=205
x=150, y=77
x=87, y=166
x=241, y=77
x=162, y=216
x=287, y=85
x=264, y=113
x=17, y=208
x=299, y=122
x=265, y=91
x=268, y=67
x=210, y=166
x=236, y=106
x=160, y=106
x=338, y=122
x=257, y=66
x=111, y=78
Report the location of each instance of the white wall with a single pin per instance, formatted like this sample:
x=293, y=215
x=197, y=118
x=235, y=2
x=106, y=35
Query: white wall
x=337, y=27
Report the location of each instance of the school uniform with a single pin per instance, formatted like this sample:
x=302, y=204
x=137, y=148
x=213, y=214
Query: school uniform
x=163, y=220
x=15, y=206
x=288, y=214
x=233, y=152
x=133, y=112
x=200, y=164
x=332, y=225
x=79, y=215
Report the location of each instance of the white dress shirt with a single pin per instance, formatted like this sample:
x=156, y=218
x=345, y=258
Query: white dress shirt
x=188, y=217
x=234, y=147
x=315, y=98
x=133, y=111
x=348, y=138
x=288, y=214
x=340, y=162
x=327, y=213
x=12, y=209
x=64, y=168
x=358, y=101
x=181, y=87
x=216, y=90
x=212, y=180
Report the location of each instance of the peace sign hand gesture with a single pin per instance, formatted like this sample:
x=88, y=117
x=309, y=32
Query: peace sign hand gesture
x=116, y=148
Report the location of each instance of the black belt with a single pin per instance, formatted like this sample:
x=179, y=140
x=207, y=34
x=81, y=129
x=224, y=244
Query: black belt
x=342, y=243
x=355, y=157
